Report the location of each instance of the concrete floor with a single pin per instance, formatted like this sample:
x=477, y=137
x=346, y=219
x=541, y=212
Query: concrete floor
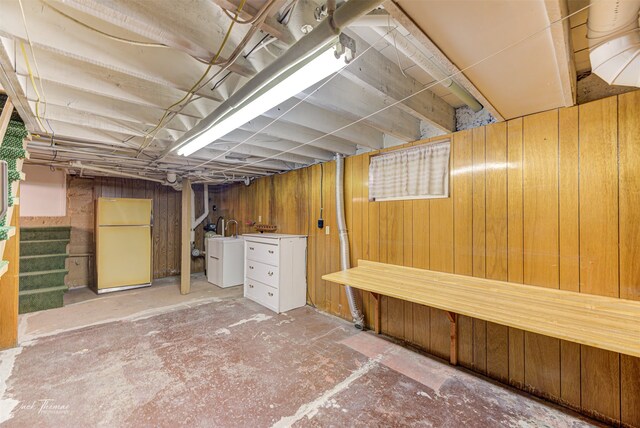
x=151, y=357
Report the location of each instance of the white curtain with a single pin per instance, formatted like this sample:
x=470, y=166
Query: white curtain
x=420, y=172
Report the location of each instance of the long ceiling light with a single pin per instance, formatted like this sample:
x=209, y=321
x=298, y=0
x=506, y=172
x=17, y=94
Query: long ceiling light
x=309, y=71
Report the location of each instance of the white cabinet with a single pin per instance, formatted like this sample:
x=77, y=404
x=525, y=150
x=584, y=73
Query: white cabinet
x=276, y=270
x=225, y=261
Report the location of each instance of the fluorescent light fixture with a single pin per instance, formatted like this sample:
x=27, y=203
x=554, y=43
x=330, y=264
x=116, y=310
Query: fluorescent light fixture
x=278, y=90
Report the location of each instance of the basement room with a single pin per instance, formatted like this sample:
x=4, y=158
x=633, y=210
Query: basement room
x=320, y=213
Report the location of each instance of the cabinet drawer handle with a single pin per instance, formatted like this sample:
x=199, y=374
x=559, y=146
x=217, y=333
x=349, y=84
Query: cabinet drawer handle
x=250, y=285
x=270, y=273
x=270, y=251
x=270, y=293
x=251, y=248
x=250, y=267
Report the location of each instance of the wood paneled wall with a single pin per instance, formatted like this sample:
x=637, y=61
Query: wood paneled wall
x=81, y=195
x=166, y=219
x=551, y=199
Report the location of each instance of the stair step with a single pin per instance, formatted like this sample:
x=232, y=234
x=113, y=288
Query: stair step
x=42, y=262
x=43, y=247
x=44, y=233
x=43, y=279
x=41, y=299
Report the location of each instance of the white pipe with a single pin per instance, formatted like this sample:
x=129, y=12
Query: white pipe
x=428, y=64
x=114, y=172
x=614, y=41
x=372, y=20
x=354, y=307
x=196, y=221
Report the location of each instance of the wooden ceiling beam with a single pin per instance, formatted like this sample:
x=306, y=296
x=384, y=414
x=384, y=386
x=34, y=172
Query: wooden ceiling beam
x=384, y=76
x=299, y=134
x=354, y=101
x=323, y=120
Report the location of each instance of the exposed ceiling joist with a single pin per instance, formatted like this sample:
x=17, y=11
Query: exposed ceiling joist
x=65, y=96
x=254, y=151
x=299, y=134
x=49, y=32
x=272, y=164
x=324, y=120
x=376, y=71
x=270, y=25
x=355, y=102
x=280, y=144
x=90, y=77
x=99, y=137
x=162, y=22
x=103, y=96
x=91, y=120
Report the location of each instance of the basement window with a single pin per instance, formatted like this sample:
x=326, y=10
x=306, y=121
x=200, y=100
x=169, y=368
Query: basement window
x=420, y=172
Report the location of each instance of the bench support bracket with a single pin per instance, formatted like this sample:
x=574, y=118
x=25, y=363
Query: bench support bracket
x=377, y=318
x=453, y=330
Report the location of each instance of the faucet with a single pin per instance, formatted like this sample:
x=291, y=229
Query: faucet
x=235, y=235
x=222, y=228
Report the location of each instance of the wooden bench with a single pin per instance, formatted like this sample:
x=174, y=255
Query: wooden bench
x=602, y=322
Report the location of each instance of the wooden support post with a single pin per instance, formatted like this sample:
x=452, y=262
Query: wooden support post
x=377, y=320
x=185, y=265
x=453, y=329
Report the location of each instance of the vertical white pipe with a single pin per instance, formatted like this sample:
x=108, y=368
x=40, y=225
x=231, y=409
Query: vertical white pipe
x=195, y=222
x=354, y=307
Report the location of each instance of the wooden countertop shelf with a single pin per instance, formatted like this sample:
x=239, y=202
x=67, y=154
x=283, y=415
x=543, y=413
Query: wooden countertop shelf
x=602, y=322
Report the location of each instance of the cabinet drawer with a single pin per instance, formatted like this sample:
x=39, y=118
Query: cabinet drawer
x=214, y=270
x=263, y=272
x=262, y=293
x=265, y=253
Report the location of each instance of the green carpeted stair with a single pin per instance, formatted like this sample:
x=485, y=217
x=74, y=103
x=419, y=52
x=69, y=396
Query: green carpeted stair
x=43, y=253
x=13, y=152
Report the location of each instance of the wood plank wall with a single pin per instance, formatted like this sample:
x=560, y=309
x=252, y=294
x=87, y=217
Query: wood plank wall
x=166, y=222
x=81, y=195
x=550, y=200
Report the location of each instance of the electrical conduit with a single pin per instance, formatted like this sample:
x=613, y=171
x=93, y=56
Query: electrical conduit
x=354, y=306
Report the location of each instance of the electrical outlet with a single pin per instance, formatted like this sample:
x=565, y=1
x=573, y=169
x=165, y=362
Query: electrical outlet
x=259, y=219
x=326, y=230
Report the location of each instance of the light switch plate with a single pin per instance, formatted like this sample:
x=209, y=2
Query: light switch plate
x=326, y=230
x=259, y=219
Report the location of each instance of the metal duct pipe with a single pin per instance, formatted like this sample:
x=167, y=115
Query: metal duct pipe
x=354, y=307
x=426, y=63
x=614, y=41
x=320, y=36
